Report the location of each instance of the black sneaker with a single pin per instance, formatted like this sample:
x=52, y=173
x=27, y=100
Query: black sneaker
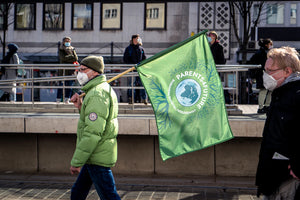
x=261, y=111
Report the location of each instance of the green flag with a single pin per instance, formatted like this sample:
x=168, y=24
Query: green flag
x=187, y=97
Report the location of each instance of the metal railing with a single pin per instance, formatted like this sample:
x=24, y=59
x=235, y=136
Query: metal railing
x=33, y=80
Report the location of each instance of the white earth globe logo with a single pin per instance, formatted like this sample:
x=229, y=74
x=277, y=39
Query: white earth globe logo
x=188, y=92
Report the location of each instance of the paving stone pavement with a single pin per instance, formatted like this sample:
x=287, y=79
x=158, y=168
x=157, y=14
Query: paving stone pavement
x=12, y=189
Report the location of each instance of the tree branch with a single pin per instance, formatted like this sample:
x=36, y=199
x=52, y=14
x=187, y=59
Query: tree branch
x=261, y=4
x=232, y=16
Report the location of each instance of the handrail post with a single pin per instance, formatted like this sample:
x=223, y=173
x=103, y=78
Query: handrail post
x=64, y=92
x=32, y=86
x=132, y=92
x=237, y=87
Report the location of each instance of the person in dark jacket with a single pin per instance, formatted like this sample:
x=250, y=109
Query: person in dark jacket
x=278, y=170
x=67, y=55
x=216, y=48
x=218, y=54
x=260, y=58
x=134, y=54
x=9, y=94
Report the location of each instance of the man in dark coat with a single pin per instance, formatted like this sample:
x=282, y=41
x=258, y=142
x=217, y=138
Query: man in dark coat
x=278, y=169
x=134, y=54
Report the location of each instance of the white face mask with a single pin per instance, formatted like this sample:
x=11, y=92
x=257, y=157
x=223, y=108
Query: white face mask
x=139, y=40
x=82, y=78
x=67, y=44
x=270, y=82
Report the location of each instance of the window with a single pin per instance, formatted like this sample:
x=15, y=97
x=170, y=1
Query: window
x=107, y=14
x=152, y=13
x=275, y=13
x=53, y=16
x=82, y=16
x=25, y=16
x=111, y=16
x=293, y=19
x=111, y=13
x=114, y=13
x=255, y=11
x=155, y=16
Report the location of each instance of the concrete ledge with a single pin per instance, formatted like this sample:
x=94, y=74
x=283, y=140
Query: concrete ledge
x=46, y=142
x=57, y=123
x=12, y=124
x=134, y=126
x=247, y=128
x=51, y=125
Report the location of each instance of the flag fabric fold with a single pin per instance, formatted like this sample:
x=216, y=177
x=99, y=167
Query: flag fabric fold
x=187, y=97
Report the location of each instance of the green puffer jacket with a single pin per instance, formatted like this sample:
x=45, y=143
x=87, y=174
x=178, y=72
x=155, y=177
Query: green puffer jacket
x=98, y=126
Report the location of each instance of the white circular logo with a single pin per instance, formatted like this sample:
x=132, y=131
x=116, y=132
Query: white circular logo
x=188, y=92
x=93, y=116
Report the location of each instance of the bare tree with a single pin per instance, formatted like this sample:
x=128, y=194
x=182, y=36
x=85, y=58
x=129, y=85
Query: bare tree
x=5, y=13
x=244, y=9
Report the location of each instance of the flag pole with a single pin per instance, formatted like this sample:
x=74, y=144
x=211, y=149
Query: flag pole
x=114, y=78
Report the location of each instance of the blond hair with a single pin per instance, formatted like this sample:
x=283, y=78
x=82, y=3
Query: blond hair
x=285, y=57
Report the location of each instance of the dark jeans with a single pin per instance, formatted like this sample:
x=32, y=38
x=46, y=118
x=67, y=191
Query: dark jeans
x=139, y=94
x=103, y=180
x=68, y=91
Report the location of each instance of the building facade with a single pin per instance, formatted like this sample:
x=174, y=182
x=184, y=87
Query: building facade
x=102, y=28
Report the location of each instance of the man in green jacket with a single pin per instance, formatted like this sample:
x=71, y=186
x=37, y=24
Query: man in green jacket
x=97, y=129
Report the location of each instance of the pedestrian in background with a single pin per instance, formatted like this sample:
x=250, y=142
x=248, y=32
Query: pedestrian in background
x=259, y=58
x=96, y=146
x=216, y=48
x=9, y=94
x=67, y=55
x=218, y=55
x=278, y=170
x=134, y=54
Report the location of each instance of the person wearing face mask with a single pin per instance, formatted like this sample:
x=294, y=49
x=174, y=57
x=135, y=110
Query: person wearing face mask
x=216, y=48
x=134, y=54
x=218, y=55
x=97, y=129
x=278, y=170
x=67, y=55
x=260, y=58
x=9, y=94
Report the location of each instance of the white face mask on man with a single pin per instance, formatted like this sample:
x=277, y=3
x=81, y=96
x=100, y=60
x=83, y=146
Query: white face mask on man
x=83, y=77
x=270, y=82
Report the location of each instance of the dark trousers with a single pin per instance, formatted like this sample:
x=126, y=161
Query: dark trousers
x=103, y=180
x=68, y=91
x=139, y=94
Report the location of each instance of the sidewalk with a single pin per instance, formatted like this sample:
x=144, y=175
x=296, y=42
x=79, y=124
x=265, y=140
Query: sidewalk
x=56, y=187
